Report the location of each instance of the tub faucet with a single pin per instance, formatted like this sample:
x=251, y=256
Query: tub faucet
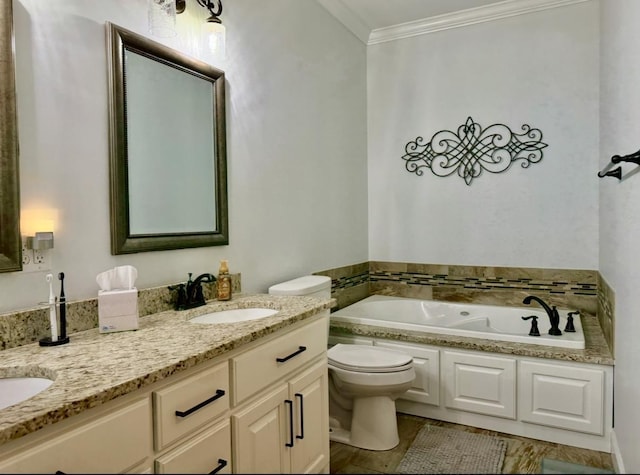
x=190, y=295
x=554, y=317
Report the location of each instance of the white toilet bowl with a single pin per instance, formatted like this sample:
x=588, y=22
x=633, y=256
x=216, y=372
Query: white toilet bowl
x=364, y=382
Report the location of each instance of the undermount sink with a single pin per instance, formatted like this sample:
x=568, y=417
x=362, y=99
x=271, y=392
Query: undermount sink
x=235, y=315
x=16, y=390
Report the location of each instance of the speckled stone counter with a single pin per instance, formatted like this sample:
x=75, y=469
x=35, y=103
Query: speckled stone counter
x=596, y=349
x=95, y=368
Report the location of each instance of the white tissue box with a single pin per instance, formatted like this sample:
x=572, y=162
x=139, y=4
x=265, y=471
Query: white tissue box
x=117, y=310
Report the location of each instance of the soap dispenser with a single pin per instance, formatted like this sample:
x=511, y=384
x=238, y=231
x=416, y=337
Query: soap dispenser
x=223, y=286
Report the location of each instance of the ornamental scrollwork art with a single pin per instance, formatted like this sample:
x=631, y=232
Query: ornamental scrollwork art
x=472, y=150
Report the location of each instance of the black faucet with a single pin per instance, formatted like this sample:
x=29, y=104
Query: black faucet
x=190, y=295
x=554, y=317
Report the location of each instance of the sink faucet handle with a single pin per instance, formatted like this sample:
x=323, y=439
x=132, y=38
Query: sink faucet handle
x=569, y=327
x=181, y=299
x=534, y=325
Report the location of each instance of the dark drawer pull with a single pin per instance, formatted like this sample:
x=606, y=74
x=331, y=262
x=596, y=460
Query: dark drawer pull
x=301, y=436
x=290, y=403
x=218, y=395
x=221, y=464
x=295, y=353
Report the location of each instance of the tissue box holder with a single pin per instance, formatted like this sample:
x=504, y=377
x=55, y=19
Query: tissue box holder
x=117, y=310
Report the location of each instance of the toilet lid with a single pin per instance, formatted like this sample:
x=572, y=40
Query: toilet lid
x=368, y=359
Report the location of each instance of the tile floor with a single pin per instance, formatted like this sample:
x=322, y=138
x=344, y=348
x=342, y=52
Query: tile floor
x=523, y=455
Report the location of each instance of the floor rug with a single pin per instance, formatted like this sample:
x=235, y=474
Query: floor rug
x=440, y=450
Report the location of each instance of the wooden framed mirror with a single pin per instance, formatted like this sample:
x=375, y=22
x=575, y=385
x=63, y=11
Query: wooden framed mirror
x=168, y=177
x=10, y=243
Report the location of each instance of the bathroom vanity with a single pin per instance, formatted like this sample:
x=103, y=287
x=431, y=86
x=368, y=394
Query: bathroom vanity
x=222, y=398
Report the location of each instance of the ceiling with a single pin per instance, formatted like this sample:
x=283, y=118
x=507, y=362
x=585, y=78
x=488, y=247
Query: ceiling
x=384, y=13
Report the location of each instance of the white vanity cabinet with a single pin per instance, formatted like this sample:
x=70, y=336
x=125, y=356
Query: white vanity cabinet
x=181, y=409
x=285, y=429
x=259, y=408
x=111, y=442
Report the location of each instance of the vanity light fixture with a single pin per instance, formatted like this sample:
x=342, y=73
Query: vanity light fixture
x=162, y=17
x=162, y=21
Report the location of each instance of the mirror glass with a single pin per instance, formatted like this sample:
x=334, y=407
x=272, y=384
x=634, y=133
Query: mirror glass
x=168, y=151
x=10, y=244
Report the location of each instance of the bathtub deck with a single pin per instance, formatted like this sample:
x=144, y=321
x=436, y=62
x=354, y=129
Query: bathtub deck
x=523, y=455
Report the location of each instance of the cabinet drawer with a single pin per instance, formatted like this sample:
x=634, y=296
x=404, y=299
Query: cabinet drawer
x=257, y=368
x=111, y=444
x=209, y=452
x=482, y=384
x=186, y=405
x=562, y=396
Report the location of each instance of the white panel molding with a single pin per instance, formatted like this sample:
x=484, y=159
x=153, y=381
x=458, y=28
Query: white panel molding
x=348, y=18
x=495, y=11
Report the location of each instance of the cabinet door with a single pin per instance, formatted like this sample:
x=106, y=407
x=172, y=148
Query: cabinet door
x=309, y=391
x=208, y=452
x=426, y=363
x=260, y=434
x=482, y=384
x=562, y=396
x=113, y=443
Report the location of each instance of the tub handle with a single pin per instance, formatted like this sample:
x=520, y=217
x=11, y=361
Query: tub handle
x=570, y=328
x=534, y=325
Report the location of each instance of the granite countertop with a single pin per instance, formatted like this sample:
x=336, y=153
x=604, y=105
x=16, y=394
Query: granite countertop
x=596, y=349
x=97, y=367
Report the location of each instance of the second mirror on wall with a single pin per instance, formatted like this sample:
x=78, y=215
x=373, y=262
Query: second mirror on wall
x=168, y=147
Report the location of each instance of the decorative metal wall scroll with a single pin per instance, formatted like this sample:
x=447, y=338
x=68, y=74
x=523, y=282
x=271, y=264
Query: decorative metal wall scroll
x=617, y=172
x=473, y=150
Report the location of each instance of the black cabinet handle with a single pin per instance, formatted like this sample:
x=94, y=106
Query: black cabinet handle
x=221, y=464
x=301, y=436
x=295, y=353
x=290, y=403
x=218, y=395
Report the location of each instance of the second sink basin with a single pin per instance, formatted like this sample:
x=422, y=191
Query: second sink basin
x=15, y=390
x=234, y=316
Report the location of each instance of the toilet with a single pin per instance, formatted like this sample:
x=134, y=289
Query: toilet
x=364, y=381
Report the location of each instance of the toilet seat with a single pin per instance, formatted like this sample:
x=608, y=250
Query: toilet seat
x=368, y=359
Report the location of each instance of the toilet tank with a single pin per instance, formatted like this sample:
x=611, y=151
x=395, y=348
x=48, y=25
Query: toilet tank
x=309, y=285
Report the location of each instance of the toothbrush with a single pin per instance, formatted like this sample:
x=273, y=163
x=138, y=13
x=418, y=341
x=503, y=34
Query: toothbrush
x=52, y=310
x=63, y=308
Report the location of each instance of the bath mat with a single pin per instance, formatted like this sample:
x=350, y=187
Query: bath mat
x=441, y=450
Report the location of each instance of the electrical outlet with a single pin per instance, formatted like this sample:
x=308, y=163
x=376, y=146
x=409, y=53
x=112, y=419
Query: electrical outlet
x=35, y=261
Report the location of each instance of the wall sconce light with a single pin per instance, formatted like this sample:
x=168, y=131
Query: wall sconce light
x=162, y=22
x=41, y=241
x=37, y=227
x=162, y=17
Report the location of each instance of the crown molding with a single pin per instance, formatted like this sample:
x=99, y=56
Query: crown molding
x=494, y=11
x=348, y=18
